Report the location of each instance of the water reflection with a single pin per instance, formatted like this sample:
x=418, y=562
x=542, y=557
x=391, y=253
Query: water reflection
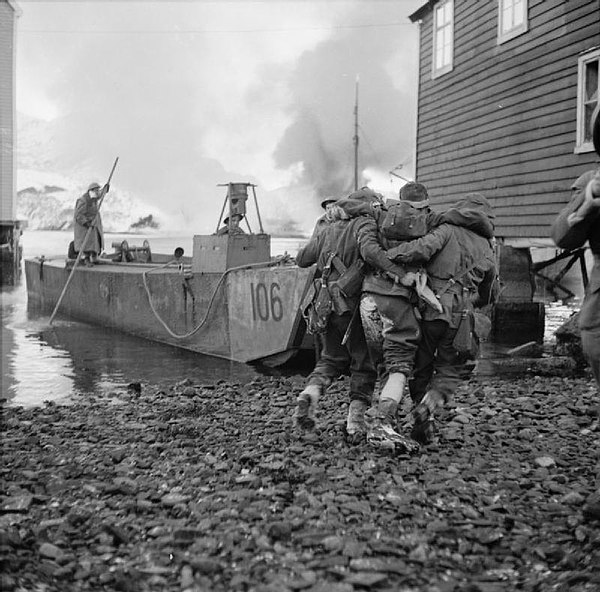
x=69, y=358
x=57, y=362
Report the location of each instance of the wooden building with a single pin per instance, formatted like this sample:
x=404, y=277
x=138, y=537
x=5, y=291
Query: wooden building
x=506, y=90
x=10, y=231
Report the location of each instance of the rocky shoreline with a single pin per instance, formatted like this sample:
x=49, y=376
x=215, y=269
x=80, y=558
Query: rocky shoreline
x=209, y=487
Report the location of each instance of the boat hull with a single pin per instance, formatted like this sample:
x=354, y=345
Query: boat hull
x=244, y=315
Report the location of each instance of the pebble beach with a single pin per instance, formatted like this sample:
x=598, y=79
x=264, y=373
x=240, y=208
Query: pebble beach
x=204, y=487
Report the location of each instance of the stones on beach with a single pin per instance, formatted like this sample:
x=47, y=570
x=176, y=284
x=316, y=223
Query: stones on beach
x=211, y=489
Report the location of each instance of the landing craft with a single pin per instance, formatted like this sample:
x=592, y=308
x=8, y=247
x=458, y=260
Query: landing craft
x=230, y=299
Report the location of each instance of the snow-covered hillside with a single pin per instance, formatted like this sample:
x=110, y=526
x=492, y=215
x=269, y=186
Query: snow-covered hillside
x=47, y=187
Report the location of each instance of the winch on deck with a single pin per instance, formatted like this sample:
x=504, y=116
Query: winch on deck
x=125, y=253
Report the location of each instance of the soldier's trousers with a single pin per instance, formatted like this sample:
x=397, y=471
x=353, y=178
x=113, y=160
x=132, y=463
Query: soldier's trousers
x=352, y=358
x=392, y=332
x=438, y=366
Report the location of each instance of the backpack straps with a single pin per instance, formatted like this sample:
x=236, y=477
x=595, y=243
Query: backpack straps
x=327, y=268
x=453, y=280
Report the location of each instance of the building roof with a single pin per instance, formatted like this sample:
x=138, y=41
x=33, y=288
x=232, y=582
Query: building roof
x=15, y=7
x=420, y=12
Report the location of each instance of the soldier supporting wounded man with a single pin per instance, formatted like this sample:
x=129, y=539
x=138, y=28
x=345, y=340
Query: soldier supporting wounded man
x=461, y=269
x=390, y=297
x=335, y=251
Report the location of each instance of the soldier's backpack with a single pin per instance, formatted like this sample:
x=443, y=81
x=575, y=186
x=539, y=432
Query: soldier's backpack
x=403, y=222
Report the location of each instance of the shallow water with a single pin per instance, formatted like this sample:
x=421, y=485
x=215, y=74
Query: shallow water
x=42, y=362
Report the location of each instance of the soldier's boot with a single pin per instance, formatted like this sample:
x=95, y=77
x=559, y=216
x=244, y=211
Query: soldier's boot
x=356, y=425
x=306, y=407
x=423, y=430
x=381, y=432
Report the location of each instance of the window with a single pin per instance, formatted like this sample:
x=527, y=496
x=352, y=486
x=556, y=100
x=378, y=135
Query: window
x=443, y=37
x=512, y=19
x=588, y=90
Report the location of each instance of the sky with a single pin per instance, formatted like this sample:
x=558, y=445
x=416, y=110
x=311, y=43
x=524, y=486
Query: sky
x=193, y=94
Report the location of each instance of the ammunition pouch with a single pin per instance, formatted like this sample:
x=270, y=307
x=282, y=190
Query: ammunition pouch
x=473, y=328
x=465, y=341
x=338, y=298
x=316, y=307
x=350, y=280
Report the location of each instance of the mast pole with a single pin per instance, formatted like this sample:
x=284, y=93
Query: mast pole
x=356, y=136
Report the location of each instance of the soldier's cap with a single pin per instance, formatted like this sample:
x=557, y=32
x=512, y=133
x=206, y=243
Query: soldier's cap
x=327, y=201
x=93, y=185
x=475, y=201
x=366, y=194
x=238, y=216
x=415, y=194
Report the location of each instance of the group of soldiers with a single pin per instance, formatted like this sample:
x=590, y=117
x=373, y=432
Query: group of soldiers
x=405, y=285
x=401, y=279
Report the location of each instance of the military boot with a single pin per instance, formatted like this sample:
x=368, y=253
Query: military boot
x=424, y=432
x=382, y=431
x=306, y=407
x=423, y=429
x=356, y=425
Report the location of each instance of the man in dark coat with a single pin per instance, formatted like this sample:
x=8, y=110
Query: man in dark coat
x=577, y=223
x=340, y=238
x=461, y=269
x=387, y=313
x=87, y=216
x=326, y=219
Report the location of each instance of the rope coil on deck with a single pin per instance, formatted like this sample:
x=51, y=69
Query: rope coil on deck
x=210, y=303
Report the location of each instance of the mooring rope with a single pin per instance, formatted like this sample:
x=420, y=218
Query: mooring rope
x=210, y=303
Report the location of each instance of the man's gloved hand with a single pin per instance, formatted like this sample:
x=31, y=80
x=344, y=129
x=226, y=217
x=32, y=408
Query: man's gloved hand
x=426, y=293
x=409, y=279
x=396, y=273
x=106, y=188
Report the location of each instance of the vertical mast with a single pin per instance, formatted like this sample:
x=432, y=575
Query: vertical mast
x=356, y=136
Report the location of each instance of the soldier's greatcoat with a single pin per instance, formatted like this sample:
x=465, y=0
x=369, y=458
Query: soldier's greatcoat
x=86, y=211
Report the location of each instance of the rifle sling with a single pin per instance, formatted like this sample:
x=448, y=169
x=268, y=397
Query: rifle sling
x=454, y=279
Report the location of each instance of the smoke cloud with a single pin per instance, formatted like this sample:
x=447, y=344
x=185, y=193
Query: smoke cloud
x=193, y=94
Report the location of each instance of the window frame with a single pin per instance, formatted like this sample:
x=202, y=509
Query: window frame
x=505, y=36
x=435, y=71
x=593, y=55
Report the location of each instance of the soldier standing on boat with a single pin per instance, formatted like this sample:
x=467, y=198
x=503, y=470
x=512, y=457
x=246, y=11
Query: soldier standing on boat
x=231, y=225
x=577, y=223
x=87, y=216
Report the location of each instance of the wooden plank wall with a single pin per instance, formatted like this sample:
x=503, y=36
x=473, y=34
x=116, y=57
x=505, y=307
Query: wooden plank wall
x=7, y=186
x=503, y=122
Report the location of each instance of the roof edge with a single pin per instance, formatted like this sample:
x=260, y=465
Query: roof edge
x=420, y=12
x=15, y=7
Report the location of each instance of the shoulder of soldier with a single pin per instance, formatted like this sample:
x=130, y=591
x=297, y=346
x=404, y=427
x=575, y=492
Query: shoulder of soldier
x=584, y=179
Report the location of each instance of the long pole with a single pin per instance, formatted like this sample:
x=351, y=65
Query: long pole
x=356, y=136
x=87, y=235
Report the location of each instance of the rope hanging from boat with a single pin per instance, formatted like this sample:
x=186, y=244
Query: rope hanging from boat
x=210, y=303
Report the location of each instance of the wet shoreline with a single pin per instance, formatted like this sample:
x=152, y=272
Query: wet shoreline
x=207, y=486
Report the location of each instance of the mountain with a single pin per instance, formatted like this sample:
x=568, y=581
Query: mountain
x=47, y=188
